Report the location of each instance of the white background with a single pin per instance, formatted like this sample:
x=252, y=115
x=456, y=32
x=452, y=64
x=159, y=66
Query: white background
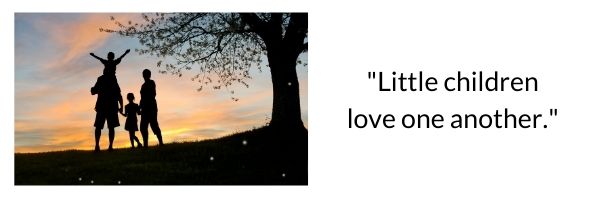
x=558, y=42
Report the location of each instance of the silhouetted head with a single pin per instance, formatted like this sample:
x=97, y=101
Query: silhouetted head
x=130, y=97
x=111, y=55
x=146, y=73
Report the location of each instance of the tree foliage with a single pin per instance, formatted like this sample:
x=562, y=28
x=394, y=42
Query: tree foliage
x=219, y=44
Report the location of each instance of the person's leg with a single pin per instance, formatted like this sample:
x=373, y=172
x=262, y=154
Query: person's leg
x=136, y=139
x=98, y=123
x=156, y=129
x=131, y=136
x=111, y=138
x=112, y=120
x=144, y=130
x=98, y=132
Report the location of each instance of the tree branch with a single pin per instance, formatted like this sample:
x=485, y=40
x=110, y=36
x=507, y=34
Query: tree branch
x=296, y=32
x=256, y=24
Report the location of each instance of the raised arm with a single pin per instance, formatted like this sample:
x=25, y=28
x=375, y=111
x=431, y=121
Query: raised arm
x=126, y=52
x=93, y=55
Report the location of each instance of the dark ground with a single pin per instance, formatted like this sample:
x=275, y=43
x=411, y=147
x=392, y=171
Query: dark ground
x=270, y=157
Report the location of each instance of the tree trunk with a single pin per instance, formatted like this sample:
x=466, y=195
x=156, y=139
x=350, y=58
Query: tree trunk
x=286, y=92
x=282, y=54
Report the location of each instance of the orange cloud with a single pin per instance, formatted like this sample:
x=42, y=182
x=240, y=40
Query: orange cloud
x=80, y=38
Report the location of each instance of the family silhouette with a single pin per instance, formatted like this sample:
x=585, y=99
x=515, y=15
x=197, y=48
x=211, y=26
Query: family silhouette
x=109, y=103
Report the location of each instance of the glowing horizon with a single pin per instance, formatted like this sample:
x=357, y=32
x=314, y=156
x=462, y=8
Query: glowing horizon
x=54, y=72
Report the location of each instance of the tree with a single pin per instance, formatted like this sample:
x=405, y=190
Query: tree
x=228, y=45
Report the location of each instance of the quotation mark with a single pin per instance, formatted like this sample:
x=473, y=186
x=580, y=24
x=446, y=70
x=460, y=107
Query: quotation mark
x=553, y=112
x=371, y=75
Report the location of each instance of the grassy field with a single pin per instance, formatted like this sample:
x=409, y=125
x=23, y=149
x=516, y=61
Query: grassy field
x=267, y=157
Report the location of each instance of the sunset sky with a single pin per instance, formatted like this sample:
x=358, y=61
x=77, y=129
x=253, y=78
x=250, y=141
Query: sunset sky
x=54, y=109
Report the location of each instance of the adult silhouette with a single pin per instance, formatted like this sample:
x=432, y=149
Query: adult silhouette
x=109, y=96
x=149, y=109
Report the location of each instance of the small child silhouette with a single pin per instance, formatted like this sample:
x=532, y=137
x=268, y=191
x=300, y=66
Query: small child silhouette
x=111, y=64
x=131, y=112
